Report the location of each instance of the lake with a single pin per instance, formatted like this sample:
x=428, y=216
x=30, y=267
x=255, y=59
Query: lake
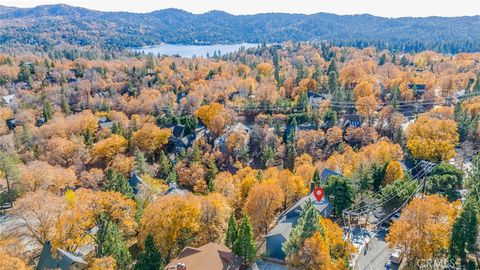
x=190, y=51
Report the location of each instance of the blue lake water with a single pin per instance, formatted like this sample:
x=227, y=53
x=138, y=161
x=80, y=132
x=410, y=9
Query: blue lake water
x=193, y=50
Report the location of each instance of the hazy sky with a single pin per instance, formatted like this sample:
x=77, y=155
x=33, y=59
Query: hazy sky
x=386, y=8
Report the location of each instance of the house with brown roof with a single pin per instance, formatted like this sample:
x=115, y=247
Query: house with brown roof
x=211, y=256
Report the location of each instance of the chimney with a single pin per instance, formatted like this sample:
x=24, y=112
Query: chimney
x=181, y=266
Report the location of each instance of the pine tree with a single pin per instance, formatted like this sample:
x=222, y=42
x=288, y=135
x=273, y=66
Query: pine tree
x=88, y=138
x=196, y=153
x=117, y=129
x=65, y=106
x=150, y=258
x=210, y=175
x=381, y=60
x=47, y=108
x=307, y=225
x=290, y=156
x=111, y=243
x=115, y=181
x=464, y=235
x=316, y=178
x=164, y=166
x=476, y=86
x=403, y=61
x=141, y=165
x=340, y=193
x=232, y=231
x=245, y=244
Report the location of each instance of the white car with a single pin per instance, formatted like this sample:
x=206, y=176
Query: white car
x=396, y=256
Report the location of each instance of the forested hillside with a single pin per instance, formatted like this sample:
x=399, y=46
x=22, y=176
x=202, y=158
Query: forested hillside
x=47, y=26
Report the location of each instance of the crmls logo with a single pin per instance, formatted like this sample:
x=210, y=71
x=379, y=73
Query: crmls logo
x=435, y=264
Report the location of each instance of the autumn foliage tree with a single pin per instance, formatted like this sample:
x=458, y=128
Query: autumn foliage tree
x=262, y=204
x=424, y=227
x=214, y=116
x=150, y=138
x=105, y=150
x=432, y=139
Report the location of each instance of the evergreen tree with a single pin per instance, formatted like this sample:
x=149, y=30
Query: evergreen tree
x=395, y=95
x=150, y=258
x=381, y=60
x=115, y=181
x=65, y=106
x=365, y=180
x=316, y=178
x=232, y=231
x=88, y=138
x=340, y=193
x=290, y=156
x=196, y=155
x=245, y=244
x=210, y=175
x=473, y=181
x=403, y=61
x=117, y=129
x=476, y=86
x=141, y=165
x=378, y=174
x=306, y=226
x=329, y=118
x=164, y=166
x=111, y=243
x=464, y=234
x=47, y=108
x=268, y=155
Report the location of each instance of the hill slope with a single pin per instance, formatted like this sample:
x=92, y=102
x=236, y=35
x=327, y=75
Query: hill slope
x=53, y=24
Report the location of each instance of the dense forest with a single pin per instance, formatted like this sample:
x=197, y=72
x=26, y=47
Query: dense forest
x=47, y=26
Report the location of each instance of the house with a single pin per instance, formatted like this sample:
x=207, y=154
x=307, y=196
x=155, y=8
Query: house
x=174, y=190
x=316, y=99
x=287, y=221
x=104, y=122
x=136, y=182
x=238, y=94
x=178, y=131
x=40, y=122
x=63, y=260
x=419, y=88
x=8, y=99
x=351, y=120
x=11, y=124
x=211, y=256
x=221, y=142
x=179, y=140
x=326, y=173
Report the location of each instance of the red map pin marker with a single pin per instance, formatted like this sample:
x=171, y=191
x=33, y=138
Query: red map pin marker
x=318, y=192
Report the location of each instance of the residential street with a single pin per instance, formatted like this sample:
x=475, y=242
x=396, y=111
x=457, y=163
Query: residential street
x=377, y=255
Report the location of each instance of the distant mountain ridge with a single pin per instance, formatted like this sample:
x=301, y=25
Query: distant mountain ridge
x=49, y=25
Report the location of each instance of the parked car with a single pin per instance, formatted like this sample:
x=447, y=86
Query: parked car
x=396, y=256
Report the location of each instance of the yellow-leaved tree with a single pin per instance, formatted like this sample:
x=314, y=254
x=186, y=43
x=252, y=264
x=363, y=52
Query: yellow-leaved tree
x=424, y=227
x=171, y=220
x=393, y=172
x=150, y=138
x=104, y=150
x=432, y=139
x=263, y=202
x=214, y=116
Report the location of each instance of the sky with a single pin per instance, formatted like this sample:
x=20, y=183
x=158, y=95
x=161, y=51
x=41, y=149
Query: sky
x=384, y=8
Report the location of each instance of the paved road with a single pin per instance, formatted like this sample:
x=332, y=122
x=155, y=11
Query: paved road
x=376, y=256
